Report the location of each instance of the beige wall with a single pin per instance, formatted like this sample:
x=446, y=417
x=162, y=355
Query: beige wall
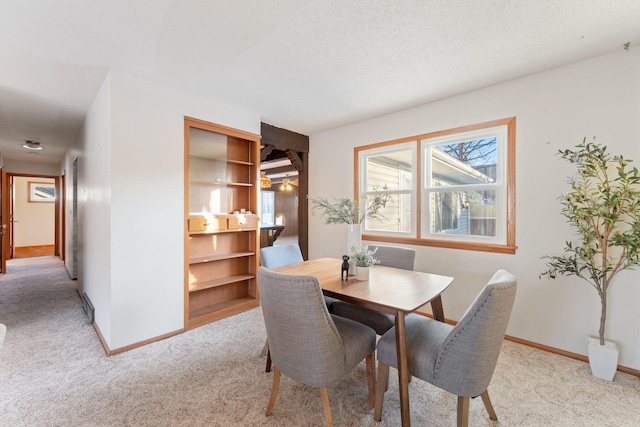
x=555, y=110
x=34, y=223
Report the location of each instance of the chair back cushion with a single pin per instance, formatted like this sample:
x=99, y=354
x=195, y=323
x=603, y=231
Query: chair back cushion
x=277, y=256
x=395, y=256
x=303, y=339
x=469, y=354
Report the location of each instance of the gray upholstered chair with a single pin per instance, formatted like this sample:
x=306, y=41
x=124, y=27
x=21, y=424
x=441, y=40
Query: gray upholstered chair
x=390, y=256
x=307, y=343
x=3, y=332
x=459, y=359
x=277, y=256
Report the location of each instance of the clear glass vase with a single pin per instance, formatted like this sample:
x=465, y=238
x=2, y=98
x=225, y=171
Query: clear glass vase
x=354, y=239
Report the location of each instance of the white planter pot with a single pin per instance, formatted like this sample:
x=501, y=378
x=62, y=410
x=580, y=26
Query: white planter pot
x=603, y=359
x=362, y=273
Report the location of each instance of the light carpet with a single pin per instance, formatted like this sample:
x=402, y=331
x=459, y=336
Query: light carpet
x=54, y=372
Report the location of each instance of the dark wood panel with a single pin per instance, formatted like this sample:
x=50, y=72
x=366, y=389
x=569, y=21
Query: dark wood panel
x=283, y=139
x=286, y=204
x=303, y=207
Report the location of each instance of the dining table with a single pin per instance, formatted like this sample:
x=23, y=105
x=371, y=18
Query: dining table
x=390, y=290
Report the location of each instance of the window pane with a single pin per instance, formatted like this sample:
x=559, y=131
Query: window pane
x=396, y=215
x=267, y=204
x=391, y=171
x=464, y=163
x=465, y=213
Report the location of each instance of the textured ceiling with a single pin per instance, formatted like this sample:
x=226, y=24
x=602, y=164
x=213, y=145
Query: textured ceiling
x=306, y=66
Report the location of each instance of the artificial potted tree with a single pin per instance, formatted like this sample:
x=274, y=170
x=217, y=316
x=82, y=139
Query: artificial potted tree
x=603, y=207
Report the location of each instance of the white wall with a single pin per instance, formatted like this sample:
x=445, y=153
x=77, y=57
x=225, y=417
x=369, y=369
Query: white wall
x=554, y=110
x=34, y=222
x=132, y=180
x=92, y=148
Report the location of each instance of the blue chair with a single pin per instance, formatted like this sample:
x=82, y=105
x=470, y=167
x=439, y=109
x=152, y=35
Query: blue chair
x=277, y=256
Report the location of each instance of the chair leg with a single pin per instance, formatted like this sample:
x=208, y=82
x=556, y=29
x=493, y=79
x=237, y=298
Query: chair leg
x=383, y=378
x=371, y=377
x=274, y=390
x=463, y=411
x=265, y=349
x=267, y=367
x=324, y=393
x=488, y=406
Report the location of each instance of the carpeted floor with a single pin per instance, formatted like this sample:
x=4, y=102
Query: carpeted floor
x=54, y=372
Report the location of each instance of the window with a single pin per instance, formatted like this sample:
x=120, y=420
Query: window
x=453, y=188
x=267, y=204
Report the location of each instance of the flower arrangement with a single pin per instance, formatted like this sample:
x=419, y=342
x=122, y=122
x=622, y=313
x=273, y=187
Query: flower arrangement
x=348, y=211
x=363, y=256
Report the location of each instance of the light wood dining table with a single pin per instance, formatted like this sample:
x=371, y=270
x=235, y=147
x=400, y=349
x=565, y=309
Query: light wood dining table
x=389, y=290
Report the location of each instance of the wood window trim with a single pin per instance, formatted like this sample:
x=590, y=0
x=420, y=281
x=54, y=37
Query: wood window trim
x=510, y=245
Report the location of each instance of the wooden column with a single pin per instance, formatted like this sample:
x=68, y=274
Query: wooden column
x=296, y=147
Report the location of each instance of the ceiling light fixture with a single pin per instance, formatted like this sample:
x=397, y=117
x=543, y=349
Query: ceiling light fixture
x=287, y=184
x=265, y=182
x=32, y=145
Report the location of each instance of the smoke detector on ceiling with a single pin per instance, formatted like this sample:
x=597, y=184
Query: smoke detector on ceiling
x=32, y=145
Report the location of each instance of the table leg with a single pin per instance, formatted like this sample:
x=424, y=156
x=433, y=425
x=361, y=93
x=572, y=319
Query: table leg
x=436, y=308
x=403, y=369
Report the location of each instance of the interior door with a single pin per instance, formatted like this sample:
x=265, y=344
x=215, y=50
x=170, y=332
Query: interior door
x=5, y=196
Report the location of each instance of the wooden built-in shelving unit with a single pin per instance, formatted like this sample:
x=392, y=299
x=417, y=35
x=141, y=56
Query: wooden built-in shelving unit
x=221, y=243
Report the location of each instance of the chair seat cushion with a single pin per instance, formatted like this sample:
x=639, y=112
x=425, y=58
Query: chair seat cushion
x=329, y=302
x=358, y=340
x=379, y=322
x=424, y=341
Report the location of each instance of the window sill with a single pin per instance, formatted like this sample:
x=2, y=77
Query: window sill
x=468, y=246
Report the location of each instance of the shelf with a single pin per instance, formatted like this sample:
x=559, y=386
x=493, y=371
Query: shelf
x=235, y=162
x=219, y=257
x=240, y=162
x=231, y=184
x=224, y=305
x=219, y=282
x=235, y=230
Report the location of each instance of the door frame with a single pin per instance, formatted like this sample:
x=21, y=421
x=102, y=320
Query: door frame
x=4, y=214
x=58, y=210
